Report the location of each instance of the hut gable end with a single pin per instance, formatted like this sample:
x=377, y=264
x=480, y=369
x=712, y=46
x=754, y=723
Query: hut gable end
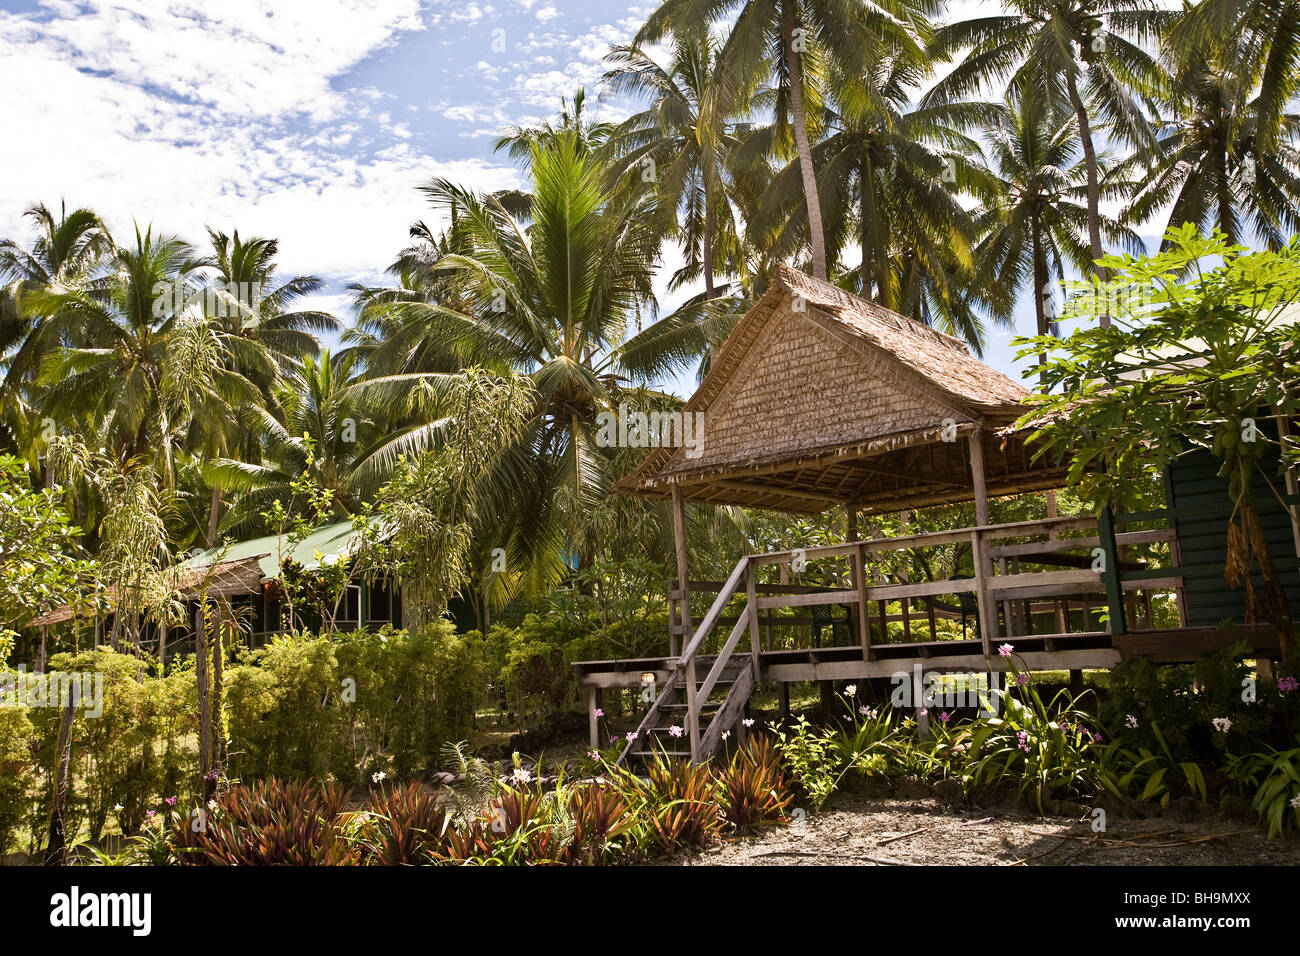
x=802, y=389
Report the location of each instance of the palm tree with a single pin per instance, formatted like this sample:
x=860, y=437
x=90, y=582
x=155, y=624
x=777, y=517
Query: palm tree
x=135, y=358
x=590, y=136
x=318, y=424
x=896, y=178
x=791, y=41
x=682, y=135
x=1085, y=53
x=554, y=295
x=68, y=252
x=1211, y=161
x=252, y=306
x=252, y=316
x=1262, y=42
x=1040, y=224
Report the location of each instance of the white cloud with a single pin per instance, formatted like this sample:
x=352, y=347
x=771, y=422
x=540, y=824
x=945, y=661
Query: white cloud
x=142, y=109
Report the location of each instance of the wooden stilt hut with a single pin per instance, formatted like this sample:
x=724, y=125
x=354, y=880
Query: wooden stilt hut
x=819, y=399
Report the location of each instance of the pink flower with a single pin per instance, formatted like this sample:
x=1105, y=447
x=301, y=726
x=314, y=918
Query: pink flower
x=150, y=813
x=598, y=713
x=1285, y=684
x=1022, y=680
x=593, y=754
x=943, y=716
x=674, y=731
x=630, y=735
x=1005, y=650
x=748, y=722
x=1023, y=737
x=170, y=801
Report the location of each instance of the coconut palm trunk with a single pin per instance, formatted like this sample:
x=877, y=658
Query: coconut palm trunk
x=1093, y=187
x=707, y=243
x=865, y=217
x=214, y=512
x=201, y=677
x=1275, y=599
x=1040, y=289
x=803, y=147
x=56, y=845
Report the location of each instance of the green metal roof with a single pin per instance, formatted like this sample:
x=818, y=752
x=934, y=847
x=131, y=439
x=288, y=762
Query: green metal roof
x=333, y=542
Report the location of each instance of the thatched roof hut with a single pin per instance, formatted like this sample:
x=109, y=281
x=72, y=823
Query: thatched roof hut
x=819, y=398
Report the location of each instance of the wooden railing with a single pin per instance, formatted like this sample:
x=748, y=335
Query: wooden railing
x=997, y=553
x=997, y=579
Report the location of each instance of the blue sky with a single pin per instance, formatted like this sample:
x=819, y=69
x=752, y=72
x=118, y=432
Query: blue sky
x=312, y=120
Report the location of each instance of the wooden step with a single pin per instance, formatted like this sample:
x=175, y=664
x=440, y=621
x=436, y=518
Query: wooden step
x=655, y=753
x=702, y=705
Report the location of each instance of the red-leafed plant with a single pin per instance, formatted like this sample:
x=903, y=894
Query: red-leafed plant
x=268, y=823
x=753, y=790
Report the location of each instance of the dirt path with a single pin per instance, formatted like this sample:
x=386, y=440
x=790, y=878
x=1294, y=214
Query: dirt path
x=856, y=831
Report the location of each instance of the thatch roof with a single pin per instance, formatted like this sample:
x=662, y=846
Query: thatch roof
x=819, y=398
x=221, y=579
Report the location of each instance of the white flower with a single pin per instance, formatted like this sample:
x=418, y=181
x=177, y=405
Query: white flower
x=522, y=776
x=1295, y=802
x=748, y=722
x=378, y=776
x=117, y=807
x=1130, y=721
x=726, y=734
x=851, y=690
x=1222, y=724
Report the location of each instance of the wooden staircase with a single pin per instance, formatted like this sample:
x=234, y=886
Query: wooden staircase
x=690, y=714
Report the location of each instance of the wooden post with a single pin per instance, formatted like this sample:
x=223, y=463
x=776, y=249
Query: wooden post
x=858, y=574
x=1111, y=576
x=751, y=609
x=987, y=607
x=1292, y=486
x=688, y=628
x=683, y=569
x=1006, y=603
x=976, y=444
x=979, y=553
x=593, y=723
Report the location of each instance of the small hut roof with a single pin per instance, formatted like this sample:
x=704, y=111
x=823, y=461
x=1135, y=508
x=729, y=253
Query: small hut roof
x=222, y=579
x=820, y=398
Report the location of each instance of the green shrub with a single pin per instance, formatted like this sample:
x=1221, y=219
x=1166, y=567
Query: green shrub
x=284, y=706
x=1274, y=780
x=1184, y=700
x=813, y=757
x=17, y=774
x=1047, y=749
x=136, y=749
x=414, y=692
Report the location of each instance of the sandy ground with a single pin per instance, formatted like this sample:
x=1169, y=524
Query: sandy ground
x=855, y=831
